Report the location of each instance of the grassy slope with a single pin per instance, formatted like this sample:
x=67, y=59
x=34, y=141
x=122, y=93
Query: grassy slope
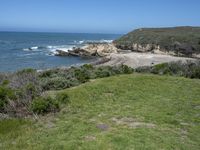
x=171, y=104
x=165, y=37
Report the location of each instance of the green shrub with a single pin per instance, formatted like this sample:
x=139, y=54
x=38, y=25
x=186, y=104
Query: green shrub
x=6, y=94
x=54, y=83
x=82, y=75
x=28, y=70
x=43, y=105
x=102, y=73
x=88, y=66
x=62, y=98
x=126, y=69
x=48, y=73
x=31, y=90
x=161, y=68
x=186, y=69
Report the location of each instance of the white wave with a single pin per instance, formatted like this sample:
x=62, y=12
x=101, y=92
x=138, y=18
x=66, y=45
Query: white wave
x=81, y=42
x=29, y=54
x=98, y=41
x=33, y=48
x=52, y=50
x=106, y=41
x=26, y=49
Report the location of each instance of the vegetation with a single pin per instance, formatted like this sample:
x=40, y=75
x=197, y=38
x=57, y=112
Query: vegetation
x=188, y=69
x=21, y=93
x=43, y=105
x=136, y=111
x=184, y=40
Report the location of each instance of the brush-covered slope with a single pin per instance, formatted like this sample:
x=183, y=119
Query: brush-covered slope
x=177, y=40
x=123, y=112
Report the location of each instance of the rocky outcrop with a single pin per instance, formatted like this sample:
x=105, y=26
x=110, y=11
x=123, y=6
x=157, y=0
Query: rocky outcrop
x=97, y=49
x=61, y=53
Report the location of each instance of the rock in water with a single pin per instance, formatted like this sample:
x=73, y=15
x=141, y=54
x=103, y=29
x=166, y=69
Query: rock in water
x=94, y=49
x=61, y=53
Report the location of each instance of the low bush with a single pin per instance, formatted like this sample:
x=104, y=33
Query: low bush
x=6, y=94
x=28, y=70
x=189, y=69
x=82, y=75
x=43, y=105
x=126, y=69
x=62, y=98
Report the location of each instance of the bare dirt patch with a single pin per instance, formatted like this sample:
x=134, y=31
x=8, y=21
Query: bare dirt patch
x=132, y=123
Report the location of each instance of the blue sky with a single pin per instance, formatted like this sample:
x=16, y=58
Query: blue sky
x=96, y=16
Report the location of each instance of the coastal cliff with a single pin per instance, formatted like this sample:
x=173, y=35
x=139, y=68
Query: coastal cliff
x=176, y=41
x=179, y=41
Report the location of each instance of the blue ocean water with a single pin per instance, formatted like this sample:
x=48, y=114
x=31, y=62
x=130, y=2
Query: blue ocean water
x=19, y=50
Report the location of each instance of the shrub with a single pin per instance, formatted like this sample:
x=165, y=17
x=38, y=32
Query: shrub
x=31, y=90
x=126, y=69
x=58, y=83
x=43, y=105
x=102, y=73
x=82, y=75
x=186, y=69
x=6, y=94
x=28, y=70
x=62, y=98
x=88, y=66
x=48, y=73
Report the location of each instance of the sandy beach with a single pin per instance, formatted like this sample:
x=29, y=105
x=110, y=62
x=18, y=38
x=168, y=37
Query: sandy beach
x=135, y=59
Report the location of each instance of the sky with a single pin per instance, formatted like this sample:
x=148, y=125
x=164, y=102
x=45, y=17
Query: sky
x=96, y=16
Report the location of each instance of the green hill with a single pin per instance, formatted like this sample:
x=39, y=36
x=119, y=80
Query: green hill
x=123, y=112
x=183, y=40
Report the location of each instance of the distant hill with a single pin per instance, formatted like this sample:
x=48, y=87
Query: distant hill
x=177, y=40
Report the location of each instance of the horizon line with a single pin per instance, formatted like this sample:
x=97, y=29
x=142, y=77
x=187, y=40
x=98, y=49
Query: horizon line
x=60, y=32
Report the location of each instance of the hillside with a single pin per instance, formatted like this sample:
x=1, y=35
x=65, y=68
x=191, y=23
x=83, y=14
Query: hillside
x=178, y=40
x=123, y=112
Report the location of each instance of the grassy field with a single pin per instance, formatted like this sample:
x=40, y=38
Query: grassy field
x=121, y=112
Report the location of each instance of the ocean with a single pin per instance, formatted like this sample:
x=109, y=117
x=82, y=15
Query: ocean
x=19, y=50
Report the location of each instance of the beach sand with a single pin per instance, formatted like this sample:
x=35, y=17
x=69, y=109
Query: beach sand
x=135, y=59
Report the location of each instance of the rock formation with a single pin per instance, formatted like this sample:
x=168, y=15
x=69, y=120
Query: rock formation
x=95, y=49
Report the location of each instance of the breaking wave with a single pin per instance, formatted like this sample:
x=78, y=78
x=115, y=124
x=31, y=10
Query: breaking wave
x=51, y=49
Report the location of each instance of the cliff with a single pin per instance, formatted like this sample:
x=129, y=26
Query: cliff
x=183, y=41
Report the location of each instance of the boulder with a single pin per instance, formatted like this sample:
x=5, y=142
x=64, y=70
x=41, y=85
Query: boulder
x=61, y=53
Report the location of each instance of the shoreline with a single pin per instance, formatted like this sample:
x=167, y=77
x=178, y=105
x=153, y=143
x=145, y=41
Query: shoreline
x=129, y=58
x=136, y=59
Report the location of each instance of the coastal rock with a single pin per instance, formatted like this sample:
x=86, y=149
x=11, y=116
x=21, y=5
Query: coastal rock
x=142, y=48
x=94, y=49
x=61, y=53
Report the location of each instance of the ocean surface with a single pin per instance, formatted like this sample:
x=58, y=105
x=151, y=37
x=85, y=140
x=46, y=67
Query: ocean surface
x=19, y=50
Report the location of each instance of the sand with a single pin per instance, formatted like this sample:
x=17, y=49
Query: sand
x=135, y=59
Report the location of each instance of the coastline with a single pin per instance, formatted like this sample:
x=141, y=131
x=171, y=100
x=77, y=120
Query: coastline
x=136, y=59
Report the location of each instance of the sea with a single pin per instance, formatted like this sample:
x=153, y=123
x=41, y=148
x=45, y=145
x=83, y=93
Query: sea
x=20, y=50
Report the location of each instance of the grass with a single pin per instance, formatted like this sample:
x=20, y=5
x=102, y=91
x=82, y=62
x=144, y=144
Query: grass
x=121, y=112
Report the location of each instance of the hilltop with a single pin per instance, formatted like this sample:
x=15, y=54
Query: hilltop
x=134, y=111
x=181, y=41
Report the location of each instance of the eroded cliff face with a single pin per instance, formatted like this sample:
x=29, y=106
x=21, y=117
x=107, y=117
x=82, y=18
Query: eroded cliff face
x=180, y=41
x=101, y=49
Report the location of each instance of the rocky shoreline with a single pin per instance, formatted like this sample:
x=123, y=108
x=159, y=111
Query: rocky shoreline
x=89, y=50
x=109, y=54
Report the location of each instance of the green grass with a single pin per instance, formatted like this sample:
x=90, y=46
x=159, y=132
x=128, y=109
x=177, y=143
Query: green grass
x=139, y=112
